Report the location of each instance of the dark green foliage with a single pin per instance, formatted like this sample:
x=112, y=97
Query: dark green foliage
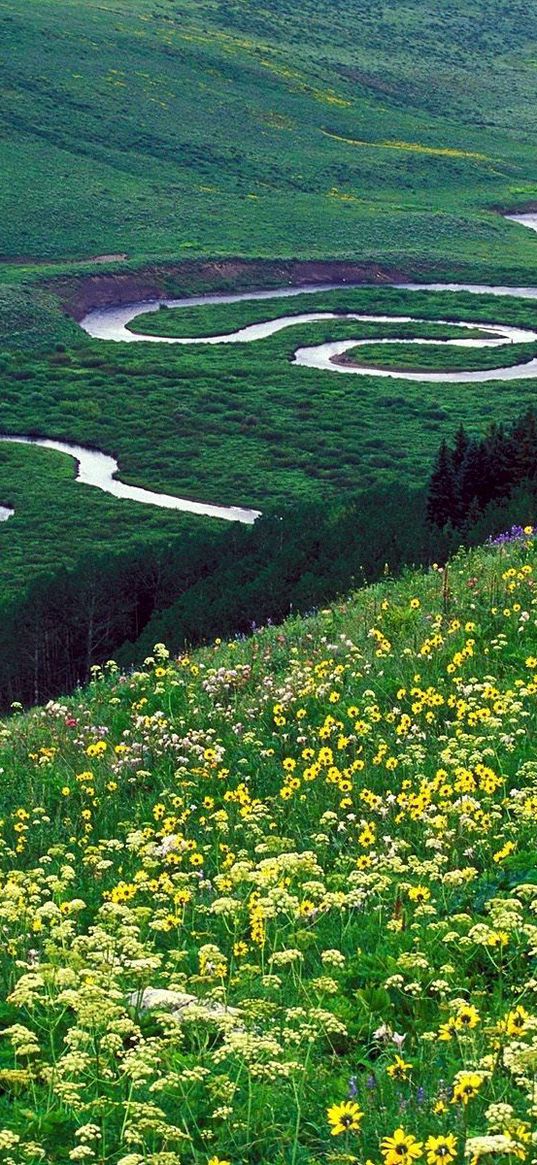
x=309, y=555
x=29, y=314
x=460, y=448
x=473, y=473
x=523, y=447
x=189, y=592
x=442, y=498
x=71, y=619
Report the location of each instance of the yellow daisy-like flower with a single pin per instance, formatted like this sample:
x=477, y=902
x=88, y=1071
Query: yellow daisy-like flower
x=516, y=1021
x=504, y=852
x=401, y=1148
x=466, y=1017
x=466, y=1086
x=447, y=1030
x=96, y=748
x=419, y=894
x=441, y=1150
x=497, y=938
x=344, y=1117
x=399, y=1069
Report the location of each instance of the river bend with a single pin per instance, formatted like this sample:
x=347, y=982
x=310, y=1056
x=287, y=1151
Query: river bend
x=100, y=470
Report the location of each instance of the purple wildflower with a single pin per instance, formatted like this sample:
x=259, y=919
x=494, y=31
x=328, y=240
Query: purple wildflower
x=515, y=534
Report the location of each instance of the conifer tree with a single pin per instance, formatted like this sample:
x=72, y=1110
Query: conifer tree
x=473, y=476
x=460, y=448
x=442, y=502
x=523, y=446
x=497, y=467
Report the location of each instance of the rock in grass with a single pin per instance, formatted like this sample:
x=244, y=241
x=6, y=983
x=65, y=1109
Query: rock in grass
x=180, y=1003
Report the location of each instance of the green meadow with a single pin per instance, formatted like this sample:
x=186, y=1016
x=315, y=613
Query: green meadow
x=270, y=901
x=187, y=129
x=433, y=358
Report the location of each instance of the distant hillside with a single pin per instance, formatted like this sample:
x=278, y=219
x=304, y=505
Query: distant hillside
x=172, y=129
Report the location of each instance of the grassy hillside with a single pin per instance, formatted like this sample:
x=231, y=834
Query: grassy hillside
x=274, y=902
x=179, y=128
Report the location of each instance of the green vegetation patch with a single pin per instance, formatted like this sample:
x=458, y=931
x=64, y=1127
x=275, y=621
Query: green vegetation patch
x=436, y=357
x=193, y=322
x=213, y=319
x=179, y=130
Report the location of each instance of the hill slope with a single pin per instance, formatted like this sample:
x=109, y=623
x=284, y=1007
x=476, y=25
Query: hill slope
x=179, y=128
x=285, y=874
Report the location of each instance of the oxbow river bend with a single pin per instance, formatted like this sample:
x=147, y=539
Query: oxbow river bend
x=98, y=469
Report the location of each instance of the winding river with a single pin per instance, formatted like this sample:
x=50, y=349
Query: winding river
x=100, y=470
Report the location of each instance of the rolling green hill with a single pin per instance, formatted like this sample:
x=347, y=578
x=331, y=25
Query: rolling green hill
x=174, y=129
x=271, y=902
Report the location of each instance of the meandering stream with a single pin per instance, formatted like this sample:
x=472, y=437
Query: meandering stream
x=99, y=469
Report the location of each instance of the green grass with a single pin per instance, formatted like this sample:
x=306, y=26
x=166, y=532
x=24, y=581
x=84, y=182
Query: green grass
x=171, y=132
x=226, y=318
x=58, y=522
x=220, y=319
x=323, y=836
x=436, y=357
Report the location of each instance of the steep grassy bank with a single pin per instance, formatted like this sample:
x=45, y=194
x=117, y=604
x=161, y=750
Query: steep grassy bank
x=275, y=901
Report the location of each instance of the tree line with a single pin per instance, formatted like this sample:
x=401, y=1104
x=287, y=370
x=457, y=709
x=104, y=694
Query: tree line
x=471, y=473
x=198, y=586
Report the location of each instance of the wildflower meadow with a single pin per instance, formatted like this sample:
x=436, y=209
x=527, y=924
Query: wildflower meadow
x=276, y=902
